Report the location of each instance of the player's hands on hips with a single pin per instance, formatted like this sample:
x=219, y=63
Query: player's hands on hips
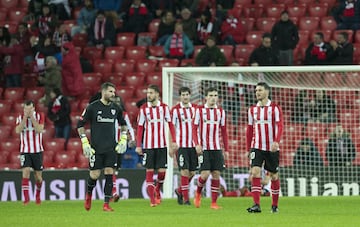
x=88, y=151
x=139, y=150
x=198, y=149
x=274, y=146
x=121, y=146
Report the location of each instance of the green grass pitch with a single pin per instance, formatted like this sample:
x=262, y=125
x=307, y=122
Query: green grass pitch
x=294, y=211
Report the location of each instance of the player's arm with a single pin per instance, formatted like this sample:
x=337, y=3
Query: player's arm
x=20, y=124
x=129, y=127
x=249, y=130
x=120, y=148
x=174, y=146
x=85, y=116
x=224, y=131
x=195, y=127
x=279, y=128
x=140, y=131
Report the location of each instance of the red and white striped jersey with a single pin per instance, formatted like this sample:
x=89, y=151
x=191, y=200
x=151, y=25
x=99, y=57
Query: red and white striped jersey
x=266, y=122
x=182, y=118
x=153, y=119
x=128, y=125
x=210, y=121
x=31, y=141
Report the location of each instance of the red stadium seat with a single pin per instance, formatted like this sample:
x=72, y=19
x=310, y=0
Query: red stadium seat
x=154, y=25
x=265, y=24
x=92, y=53
x=197, y=50
x=9, y=119
x=329, y=2
x=157, y=51
x=14, y=159
x=8, y=4
x=254, y=11
x=328, y=23
x=69, y=24
x=18, y=107
x=11, y=145
x=16, y=15
x=187, y=62
x=141, y=92
x=56, y=144
x=48, y=159
x=14, y=94
x=333, y=79
x=227, y=50
x=124, y=66
x=135, y=52
x=244, y=51
x=145, y=65
x=82, y=105
x=125, y=39
x=114, y=53
x=5, y=132
x=357, y=36
x=274, y=10
x=39, y=107
x=309, y=23
x=92, y=81
x=82, y=162
x=24, y=3
x=115, y=78
x=80, y=40
x=4, y=158
x=3, y=15
x=168, y=63
x=237, y=11
x=125, y=92
x=134, y=79
x=131, y=108
x=74, y=117
x=49, y=132
x=307, y=2
x=5, y=106
x=34, y=93
x=317, y=9
x=296, y=10
x=254, y=37
x=154, y=78
x=152, y=35
x=74, y=144
x=103, y=66
x=63, y=160
x=264, y=3
x=242, y=2
x=12, y=26
x=349, y=32
x=304, y=36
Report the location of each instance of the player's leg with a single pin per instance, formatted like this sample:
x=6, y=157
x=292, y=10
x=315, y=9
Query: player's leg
x=183, y=162
x=256, y=160
x=149, y=164
x=217, y=165
x=94, y=173
x=115, y=196
x=272, y=165
x=160, y=164
x=204, y=161
x=25, y=163
x=38, y=167
x=109, y=163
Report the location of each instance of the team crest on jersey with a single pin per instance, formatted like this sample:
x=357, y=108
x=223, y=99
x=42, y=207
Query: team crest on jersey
x=113, y=111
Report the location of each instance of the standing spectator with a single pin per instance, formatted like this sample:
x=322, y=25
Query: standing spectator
x=343, y=50
x=178, y=45
x=137, y=18
x=101, y=114
x=189, y=25
x=61, y=9
x=211, y=54
x=60, y=37
x=30, y=126
x=285, y=37
x=263, y=136
x=86, y=16
x=110, y=8
x=210, y=121
x=23, y=36
x=45, y=23
x=151, y=141
x=13, y=62
x=159, y=7
x=204, y=27
x=41, y=50
x=323, y=108
x=51, y=79
x=301, y=112
x=232, y=31
x=340, y=150
x=35, y=9
x=166, y=28
x=4, y=36
x=318, y=52
x=347, y=15
x=72, y=78
x=307, y=155
x=101, y=32
x=182, y=115
x=59, y=113
x=266, y=54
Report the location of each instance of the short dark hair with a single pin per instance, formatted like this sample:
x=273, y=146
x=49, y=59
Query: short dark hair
x=56, y=90
x=184, y=89
x=154, y=87
x=264, y=84
x=29, y=102
x=320, y=34
x=210, y=89
x=106, y=85
x=266, y=35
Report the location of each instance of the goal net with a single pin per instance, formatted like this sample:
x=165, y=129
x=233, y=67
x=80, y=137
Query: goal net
x=319, y=149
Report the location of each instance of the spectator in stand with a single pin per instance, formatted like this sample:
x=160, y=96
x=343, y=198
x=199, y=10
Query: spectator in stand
x=86, y=16
x=23, y=35
x=301, y=112
x=59, y=113
x=60, y=37
x=35, y=9
x=204, y=27
x=13, y=62
x=340, y=150
x=137, y=18
x=61, y=9
x=323, y=108
x=343, y=50
x=110, y=8
x=285, y=37
x=101, y=32
x=307, y=154
x=224, y=4
x=264, y=55
x=232, y=31
x=4, y=36
x=160, y=7
x=41, y=50
x=192, y=5
x=318, y=52
x=211, y=54
x=166, y=28
x=45, y=23
x=189, y=25
x=72, y=77
x=178, y=45
x=52, y=78
x=347, y=15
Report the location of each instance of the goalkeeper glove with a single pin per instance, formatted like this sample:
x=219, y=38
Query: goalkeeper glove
x=88, y=151
x=121, y=146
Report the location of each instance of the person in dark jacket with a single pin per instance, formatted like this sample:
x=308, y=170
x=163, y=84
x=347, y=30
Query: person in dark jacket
x=137, y=18
x=343, y=50
x=307, y=154
x=211, y=54
x=347, y=15
x=59, y=112
x=166, y=28
x=101, y=32
x=285, y=37
x=318, y=52
x=323, y=108
x=265, y=55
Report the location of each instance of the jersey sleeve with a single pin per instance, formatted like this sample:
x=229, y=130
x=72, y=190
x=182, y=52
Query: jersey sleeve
x=250, y=117
x=141, y=117
x=129, y=126
x=120, y=117
x=167, y=114
x=85, y=116
x=174, y=116
x=41, y=118
x=197, y=117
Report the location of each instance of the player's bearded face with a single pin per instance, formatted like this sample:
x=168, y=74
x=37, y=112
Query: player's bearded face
x=109, y=95
x=151, y=95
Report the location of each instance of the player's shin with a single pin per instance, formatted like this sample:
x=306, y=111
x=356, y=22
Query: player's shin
x=215, y=187
x=25, y=189
x=275, y=189
x=185, y=188
x=108, y=187
x=256, y=189
x=150, y=188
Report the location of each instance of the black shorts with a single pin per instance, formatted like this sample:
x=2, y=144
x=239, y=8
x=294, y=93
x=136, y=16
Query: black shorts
x=102, y=160
x=187, y=159
x=270, y=159
x=212, y=160
x=33, y=160
x=155, y=158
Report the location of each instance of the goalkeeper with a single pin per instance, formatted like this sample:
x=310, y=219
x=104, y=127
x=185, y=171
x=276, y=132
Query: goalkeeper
x=102, y=115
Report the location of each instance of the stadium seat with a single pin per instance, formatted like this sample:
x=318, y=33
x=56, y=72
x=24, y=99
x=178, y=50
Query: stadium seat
x=152, y=35
x=227, y=50
x=187, y=62
x=135, y=52
x=125, y=39
x=74, y=117
x=125, y=92
x=333, y=79
x=74, y=144
x=4, y=158
x=5, y=106
x=296, y=10
x=242, y=2
x=157, y=51
x=317, y=9
x=5, y=132
x=114, y=53
x=10, y=25
x=237, y=11
x=264, y=3
x=154, y=78
x=34, y=93
x=103, y=66
x=168, y=63
x=265, y=24
x=83, y=104
x=134, y=79
x=244, y=51
x=328, y=23
x=145, y=66
x=154, y=25
x=131, y=108
x=14, y=94
x=306, y=2
x=115, y=78
x=16, y=15
x=3, y=15
x=80, y=40
x=49, y=132
x=11, y=145
x=274, y=10
x=9, y=119
x=82, y=162
x=349, y=32
x=48, y=158
x=248, y=23
x=254, y=37
x=55, y=144
x=69, y=24
x=141, y=92
x=357, y=37
x=63, y=160
x=14, y=159
x=254, y=11
x=330, y=3
x=327, y=35
x=92, y=81
x=304, y=37
x=309, y=23
x=39, y=107
x=8, y=4
x=124, y=66
x=197, y=49
x=18, y=107
x=92, y=53
x=24, y=3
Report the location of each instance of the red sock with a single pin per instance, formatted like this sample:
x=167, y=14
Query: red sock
x=256, y=189
x=114, y=184
x=25, y=188
x=185, y=187
x=38, y=188
x=150, y=185
x=215, y=187
x=200, y=184
x=275, y=189
x=160, y=180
